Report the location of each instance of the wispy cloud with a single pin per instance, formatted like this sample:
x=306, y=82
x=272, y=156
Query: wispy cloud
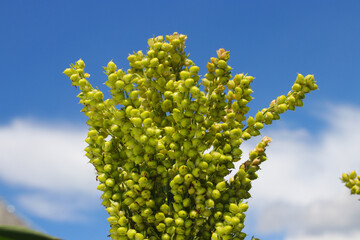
x=298, y=191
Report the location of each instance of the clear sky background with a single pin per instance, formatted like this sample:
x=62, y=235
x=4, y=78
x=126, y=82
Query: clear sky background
x=298, y=195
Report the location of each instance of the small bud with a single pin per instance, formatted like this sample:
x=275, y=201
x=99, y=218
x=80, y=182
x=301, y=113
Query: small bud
x=219, y=72
x=184, y=75
x=246, y=136
x=80, y=64
x=352, y=175
x=216, y=194
x=221, y=186
x=139, y=236
x=222, y=54
x=222, y=64
x=131, y=58
x=256, y=161
x=300, y=79
x=243, y=207
x=111, y=67
x=68, y=72
x=266, y=140
x=74, y=77
x=154, y=62
x=189, y=82
x=259, y=117
x=345, y=177
x=296, y=87
x=194, y=70
x=211, y=68
x=250, y=121
x=110, y=182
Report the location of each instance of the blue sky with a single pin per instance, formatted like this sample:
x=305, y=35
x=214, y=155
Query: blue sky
x=42, y=168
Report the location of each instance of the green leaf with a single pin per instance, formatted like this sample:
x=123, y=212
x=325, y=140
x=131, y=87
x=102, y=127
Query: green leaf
x=16, y=233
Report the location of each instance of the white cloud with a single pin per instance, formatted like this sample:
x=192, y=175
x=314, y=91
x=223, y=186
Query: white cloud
x=333, y=236
x=298, y=191
x=48, y=160
x=45, y=157
x=337, y=215
x=56, y=207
